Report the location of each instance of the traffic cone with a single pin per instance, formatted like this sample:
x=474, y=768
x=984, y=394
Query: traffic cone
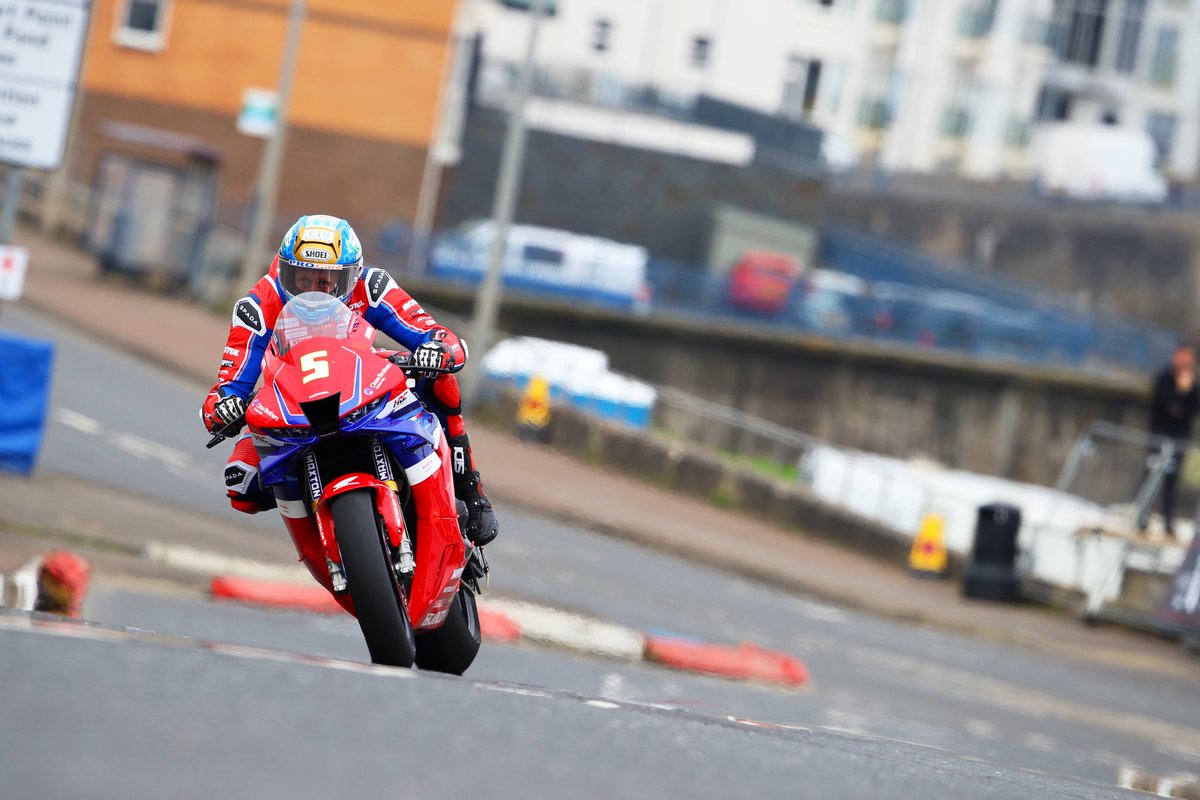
x=928, y=559
x=533, y=412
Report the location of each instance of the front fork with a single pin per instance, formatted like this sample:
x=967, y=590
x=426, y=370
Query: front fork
x=387, y=502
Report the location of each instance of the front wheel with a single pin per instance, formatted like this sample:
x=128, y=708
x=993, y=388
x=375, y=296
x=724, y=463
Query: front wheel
x=452, y=647
x=379, y=601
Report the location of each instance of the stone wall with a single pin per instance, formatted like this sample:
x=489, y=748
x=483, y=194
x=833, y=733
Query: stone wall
x=996, y=419
x=702, y=474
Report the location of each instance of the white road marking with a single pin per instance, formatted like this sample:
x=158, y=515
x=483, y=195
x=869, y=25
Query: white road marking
x=523, y=691
x=1037, y=741
x=176, y=460
x=980, y=728
x=209, y=563
x=77, y=421
x=601, y=704
x=572, y=631
x=818, y=611
x=612, y=687
x=135, y=445
x=845, y=722
x=965, y=685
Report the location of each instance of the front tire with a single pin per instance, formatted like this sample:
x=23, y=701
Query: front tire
x=379, y=602
x=453, y=647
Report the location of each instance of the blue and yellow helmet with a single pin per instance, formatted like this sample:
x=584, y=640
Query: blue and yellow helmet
x=320, y=253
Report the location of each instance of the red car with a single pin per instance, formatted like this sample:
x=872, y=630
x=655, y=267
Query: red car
x=761, y=281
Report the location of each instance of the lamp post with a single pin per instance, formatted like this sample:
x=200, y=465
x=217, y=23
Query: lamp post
x=487, y=301
x=267, y=187
x=444, y=145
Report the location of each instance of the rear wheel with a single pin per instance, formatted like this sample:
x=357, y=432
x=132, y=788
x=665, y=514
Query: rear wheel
x=452, y=647
x=379, y=601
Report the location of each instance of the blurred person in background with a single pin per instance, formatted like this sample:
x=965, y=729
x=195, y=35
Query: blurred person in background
x=322, y=253
x=1174, y=402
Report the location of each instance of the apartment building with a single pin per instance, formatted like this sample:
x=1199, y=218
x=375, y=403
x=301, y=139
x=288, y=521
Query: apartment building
x=1134, y=63
x=924, y=86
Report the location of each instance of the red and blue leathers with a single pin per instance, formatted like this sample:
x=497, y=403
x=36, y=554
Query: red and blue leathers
x=386, y=306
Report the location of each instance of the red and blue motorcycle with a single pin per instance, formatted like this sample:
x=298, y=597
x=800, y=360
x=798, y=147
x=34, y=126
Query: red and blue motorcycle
x=361, y=473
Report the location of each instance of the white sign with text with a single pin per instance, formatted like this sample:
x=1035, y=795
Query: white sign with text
x=41, y=45
x=13, y=262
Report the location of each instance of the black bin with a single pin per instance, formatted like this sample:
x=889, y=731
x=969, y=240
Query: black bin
x=991, y=573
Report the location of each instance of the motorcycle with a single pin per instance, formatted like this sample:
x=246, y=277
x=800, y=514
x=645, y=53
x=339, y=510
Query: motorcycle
x=361, y=474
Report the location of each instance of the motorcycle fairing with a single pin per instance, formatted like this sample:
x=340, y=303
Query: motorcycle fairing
x=311, y=357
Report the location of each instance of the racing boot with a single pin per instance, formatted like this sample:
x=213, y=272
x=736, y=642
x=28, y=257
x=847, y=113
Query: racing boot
x=482, y=526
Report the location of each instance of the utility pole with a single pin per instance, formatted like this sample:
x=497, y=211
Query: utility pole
x=12, y=198
x=266, y=189
x=444, y=145
x=13, y=178
x=487, y=301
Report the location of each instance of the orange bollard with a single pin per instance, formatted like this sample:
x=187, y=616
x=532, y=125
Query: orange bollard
x=62, y=583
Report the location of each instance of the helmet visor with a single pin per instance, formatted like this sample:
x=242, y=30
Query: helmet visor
x=300, y=278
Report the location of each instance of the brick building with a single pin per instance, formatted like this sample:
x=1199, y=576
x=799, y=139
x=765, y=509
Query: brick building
x=163, y=83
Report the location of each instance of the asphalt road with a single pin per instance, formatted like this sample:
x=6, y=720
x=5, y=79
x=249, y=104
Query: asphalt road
x=118, y=420
x=135, y=716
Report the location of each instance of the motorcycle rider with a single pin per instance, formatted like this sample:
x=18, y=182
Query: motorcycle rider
x=322, y=253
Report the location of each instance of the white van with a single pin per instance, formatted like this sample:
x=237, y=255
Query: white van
x=547, y=259
x=1096, y=162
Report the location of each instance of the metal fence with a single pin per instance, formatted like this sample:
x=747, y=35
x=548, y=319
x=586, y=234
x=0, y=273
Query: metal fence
x=887, y=293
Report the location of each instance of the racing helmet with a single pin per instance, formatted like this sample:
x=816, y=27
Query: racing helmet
x=320, y=253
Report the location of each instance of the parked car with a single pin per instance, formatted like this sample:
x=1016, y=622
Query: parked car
x=550, y=261
x=830, y=301
x=761, y=282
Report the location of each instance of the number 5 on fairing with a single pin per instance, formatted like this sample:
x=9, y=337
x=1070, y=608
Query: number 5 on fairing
x=315, y=365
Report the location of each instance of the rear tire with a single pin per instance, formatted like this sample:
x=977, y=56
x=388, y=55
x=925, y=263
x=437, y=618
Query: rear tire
x=453, y=647
x=379, y=602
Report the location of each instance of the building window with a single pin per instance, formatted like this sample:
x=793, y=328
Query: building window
x=891, y=11
x=874, y=113
x=956, y=115
x=1131, y=35
x=1054, y=105
x=880, y=86
x=800, y=82
x=1078, y=29
x=1016, y=133
x=549, y=7
x=976, y=19
x=601, y=32
x=1161, y=128
x=143, y=24
x=1166, y=57
x=701, y=51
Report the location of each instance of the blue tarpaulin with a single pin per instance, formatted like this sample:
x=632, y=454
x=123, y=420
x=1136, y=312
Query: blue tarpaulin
x=24, y=397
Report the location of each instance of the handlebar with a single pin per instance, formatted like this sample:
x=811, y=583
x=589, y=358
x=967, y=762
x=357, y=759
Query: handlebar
x=402, y=362
x=396, y=359
x=229, y=430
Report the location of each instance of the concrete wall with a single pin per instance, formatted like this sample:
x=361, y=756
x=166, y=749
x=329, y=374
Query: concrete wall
x=698, y=472
x=1010, y=421
x=1141, y=264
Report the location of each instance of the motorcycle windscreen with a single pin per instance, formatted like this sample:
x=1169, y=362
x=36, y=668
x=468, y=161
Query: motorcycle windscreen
x=309, y=316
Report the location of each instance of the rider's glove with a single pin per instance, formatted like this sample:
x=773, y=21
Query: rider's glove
x=431, y=355
x=230, y=409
